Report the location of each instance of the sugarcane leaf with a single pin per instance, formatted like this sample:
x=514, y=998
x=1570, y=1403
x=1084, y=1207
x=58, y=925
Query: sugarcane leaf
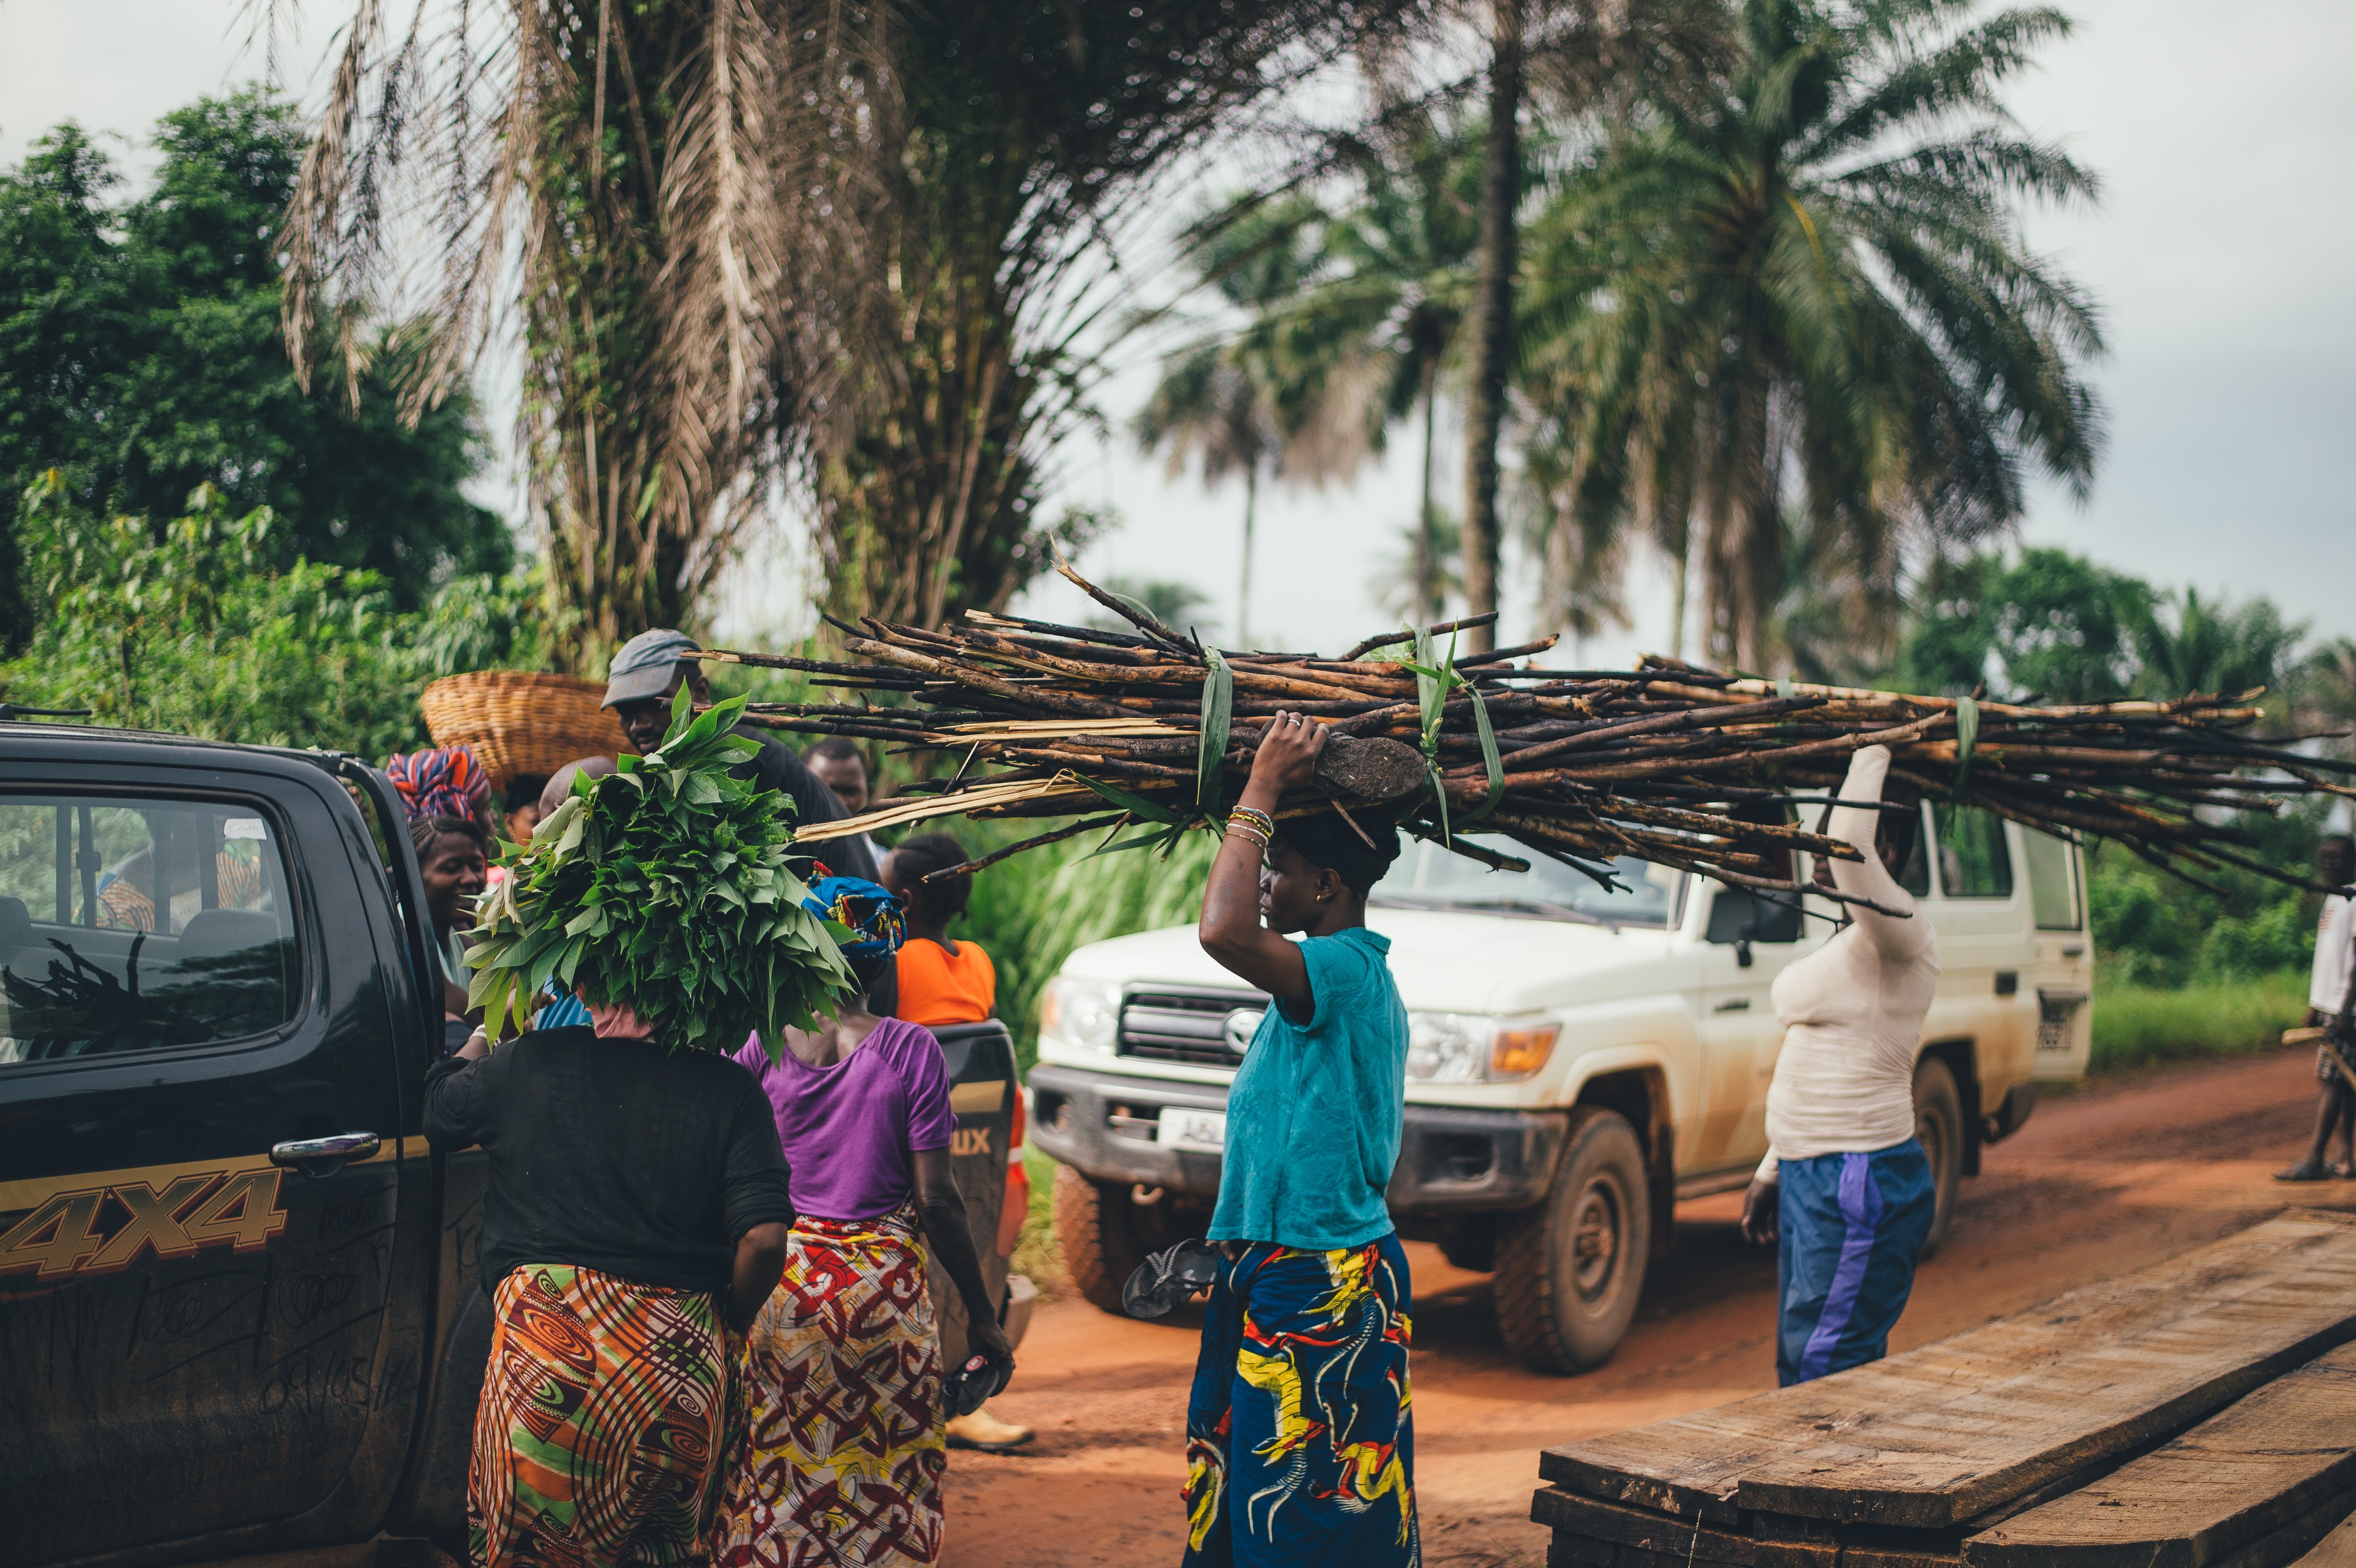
x=1142, y=841
x=1218, y=706
x=1136, y=803
x=1967, y=734
x=1489, y=760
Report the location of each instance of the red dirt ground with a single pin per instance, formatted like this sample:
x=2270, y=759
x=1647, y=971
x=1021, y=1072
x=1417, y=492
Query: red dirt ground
x=2098, y=1183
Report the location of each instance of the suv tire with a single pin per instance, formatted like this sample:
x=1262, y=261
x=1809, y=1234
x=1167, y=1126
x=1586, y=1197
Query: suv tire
x=1098, y=1229
x=1939, y=1128
x=1569, y=1270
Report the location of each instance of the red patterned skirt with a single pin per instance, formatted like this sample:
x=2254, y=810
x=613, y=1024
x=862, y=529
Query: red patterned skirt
x=842, y=1468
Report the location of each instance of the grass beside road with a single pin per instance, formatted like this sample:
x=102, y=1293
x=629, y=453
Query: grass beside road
x=2138, y=1025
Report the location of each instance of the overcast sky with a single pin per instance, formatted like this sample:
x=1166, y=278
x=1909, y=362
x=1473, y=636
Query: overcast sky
x=2219, y=256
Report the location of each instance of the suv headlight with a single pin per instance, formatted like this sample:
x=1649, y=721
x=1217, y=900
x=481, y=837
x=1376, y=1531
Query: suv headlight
x=1085, y=1013
x=1472, y=1047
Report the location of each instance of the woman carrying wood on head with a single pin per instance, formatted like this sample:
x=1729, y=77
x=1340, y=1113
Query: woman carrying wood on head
x=1845, y=1187
x=1299, y=1445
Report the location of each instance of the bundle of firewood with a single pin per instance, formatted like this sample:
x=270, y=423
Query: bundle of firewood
x=1669, y=762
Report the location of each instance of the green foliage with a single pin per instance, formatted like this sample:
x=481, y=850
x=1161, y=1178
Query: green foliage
x=2153, y=930
x=2137, y=1026
x=141, y=357
x=193, y=628
x=1029, y=912
x=2050, y=626
x=663, y=887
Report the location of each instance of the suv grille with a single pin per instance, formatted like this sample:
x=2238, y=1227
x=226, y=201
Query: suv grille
x=1170, y=1025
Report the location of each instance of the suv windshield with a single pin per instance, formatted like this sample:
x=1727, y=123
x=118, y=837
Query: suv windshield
x=1426, y=876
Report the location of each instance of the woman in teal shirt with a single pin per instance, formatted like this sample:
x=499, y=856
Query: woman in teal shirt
x=1299, y=1447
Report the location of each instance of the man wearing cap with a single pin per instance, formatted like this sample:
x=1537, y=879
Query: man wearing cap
x=646, y=673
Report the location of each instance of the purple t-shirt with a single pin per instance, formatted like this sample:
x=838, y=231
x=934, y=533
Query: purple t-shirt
x=846, y=1129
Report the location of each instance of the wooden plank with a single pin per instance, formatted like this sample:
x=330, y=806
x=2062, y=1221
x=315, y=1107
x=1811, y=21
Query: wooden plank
x=2243, y=1474
x=2337, y=1550
x=1940, y=1434
x=1570, y=1513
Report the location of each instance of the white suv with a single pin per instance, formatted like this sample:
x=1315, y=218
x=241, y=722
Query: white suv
x=1580, y=1060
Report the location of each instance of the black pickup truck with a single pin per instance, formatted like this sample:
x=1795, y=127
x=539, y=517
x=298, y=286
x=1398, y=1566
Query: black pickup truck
x=238, y=1310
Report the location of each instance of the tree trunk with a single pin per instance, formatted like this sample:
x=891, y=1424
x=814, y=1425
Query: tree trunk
x=1493, y=317
x=1683, y=578
x=1427, y=588
x=1243, y=586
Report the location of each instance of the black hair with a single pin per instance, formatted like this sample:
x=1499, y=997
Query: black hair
x=837, y=748
x=2340, y=841
x=1331, y=844
x=427, y=831
x=924, y=853
x=523, y=790
x=1899, y=829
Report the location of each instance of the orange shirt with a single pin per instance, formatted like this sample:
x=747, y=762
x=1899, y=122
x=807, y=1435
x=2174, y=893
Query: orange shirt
x=936, y=988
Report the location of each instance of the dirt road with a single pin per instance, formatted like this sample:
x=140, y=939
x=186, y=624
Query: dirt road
x=2097, y=1183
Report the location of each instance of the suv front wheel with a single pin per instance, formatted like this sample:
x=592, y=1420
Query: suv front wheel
x=1570, y=1269
x=1104, y=1234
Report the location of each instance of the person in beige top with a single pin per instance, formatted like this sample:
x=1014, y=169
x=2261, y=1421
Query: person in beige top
x=1844, y=1191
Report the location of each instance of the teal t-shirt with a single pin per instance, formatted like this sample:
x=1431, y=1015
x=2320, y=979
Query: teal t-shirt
x=1313, y=1118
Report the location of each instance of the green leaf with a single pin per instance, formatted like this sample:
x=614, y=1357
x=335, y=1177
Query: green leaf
x=1219, y=705
x=1489, y=760
x=1136, y=803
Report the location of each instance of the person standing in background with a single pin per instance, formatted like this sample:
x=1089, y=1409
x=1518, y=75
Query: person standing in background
x=844, y=1462
x=945, y=980
x=1299, y=1444
x=841, y=766
x=1845, y=1190
x=653, y=666
x=2330, y=993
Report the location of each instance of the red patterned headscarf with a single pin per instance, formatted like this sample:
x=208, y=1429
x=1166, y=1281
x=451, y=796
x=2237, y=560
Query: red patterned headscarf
x=445, y=782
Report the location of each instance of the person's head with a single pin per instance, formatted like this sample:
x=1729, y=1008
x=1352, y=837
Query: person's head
x=560, y=783
x=930, y=904
x=841, y=766
x=454, y=857
x=521, y=806
x=2335, y=859
x=1319, y=867
x=877, y=929
x=645, y=676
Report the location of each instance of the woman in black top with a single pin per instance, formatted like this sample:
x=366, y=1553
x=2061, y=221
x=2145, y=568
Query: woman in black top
x=634, y=1223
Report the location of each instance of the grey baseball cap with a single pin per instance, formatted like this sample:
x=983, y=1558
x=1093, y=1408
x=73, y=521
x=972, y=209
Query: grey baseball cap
x=643, y=666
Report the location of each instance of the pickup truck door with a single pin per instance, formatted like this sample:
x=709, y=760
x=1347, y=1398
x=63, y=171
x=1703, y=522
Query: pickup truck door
x=1747, y=941
x=980, y=1062
x=1986, y=955
x=209, y=1280
x=2064, y=973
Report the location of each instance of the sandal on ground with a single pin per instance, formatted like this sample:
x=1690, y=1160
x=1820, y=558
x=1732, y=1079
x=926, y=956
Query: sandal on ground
x=2341, y=1170
x=2305, y=1170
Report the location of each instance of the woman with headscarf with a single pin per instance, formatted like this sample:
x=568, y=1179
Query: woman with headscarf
x=1299, y=1444
x=447, y=780
x=847, y=1447
x=453, y=857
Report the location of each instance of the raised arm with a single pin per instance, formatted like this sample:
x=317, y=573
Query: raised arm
x=1898, y=935
x=1231, y=930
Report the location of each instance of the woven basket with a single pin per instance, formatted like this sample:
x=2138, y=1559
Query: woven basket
x=520, y=722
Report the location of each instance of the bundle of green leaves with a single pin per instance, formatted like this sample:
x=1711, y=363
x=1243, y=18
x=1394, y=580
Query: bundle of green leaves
x=663, y=887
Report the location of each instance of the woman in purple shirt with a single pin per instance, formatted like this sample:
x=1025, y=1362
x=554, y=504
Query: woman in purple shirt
x=845, y=1360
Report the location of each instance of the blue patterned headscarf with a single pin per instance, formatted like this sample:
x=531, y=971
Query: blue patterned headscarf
x=872, y=913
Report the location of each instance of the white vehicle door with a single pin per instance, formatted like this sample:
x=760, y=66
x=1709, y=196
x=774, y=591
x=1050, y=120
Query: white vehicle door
x=1986, y=990
x=2064, y=970
x=1747, y=939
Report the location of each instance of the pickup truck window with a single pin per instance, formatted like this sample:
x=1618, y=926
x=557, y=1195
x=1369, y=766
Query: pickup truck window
x=131, y=924
x=2052, y=884
x=1973, y=860
x=1426, y=876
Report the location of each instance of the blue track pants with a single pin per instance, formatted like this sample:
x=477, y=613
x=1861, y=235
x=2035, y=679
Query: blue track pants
x=1851, y=1227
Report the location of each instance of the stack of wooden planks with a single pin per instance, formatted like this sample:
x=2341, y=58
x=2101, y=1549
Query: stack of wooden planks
x=2199, y=1414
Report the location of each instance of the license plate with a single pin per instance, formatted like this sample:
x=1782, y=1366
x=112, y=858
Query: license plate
x=1182, y=1129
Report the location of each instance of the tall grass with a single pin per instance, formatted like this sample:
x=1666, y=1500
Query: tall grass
x=2137, y=1026
x=1029, y=912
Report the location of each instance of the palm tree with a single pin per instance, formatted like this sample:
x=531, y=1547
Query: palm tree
x=1365, y=307
x=1807, y=289
x=2187, y=644
x=1213, y=409
x=689, y=184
